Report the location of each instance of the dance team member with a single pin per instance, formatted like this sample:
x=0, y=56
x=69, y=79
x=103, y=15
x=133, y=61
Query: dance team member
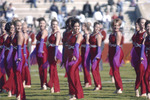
x=115, y=53
x=138, y=58
x=73, y=62
x=18, y=60
x=53, y=56
x=95, y=52
x=147, y=49
x=3, y=36
x=10, y=85
x=41, y=52
x=85, y=54
x=25, y=72
x=66, y=36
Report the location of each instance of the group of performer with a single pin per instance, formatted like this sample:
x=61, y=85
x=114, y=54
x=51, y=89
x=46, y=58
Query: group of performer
x=79, y=51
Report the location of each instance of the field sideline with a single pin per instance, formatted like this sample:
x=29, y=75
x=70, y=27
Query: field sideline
x=127, y=74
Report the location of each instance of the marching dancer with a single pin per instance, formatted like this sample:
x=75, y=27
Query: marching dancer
x=116, y=53
x=95, y=51
x=73, y=62
x=53, y=54
x=85, y=54
x=138, y=58
x=41, y=52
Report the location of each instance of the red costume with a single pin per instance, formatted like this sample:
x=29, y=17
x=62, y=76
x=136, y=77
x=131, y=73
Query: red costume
x=42, y=60
x=66, y=36
x=147, y=73
x=75, y=87
x=25, y=72
x=139, y=68
x=10, y=83
x=115, y=69
x=54, y=80
x=87, y=77
x=93, y=52
x=17, y=72
x=2, y=75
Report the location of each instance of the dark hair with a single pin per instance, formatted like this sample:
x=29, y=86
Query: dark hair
x=75, y=20
x=41, y=19
x=147, y=22
x=16, y=21
x=139, y=19
x=54, y=20
x=8, y=26
x=68, y=20
x=95, y=23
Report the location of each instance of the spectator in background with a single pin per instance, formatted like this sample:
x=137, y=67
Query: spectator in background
x=98, y=16
x=61, y=21
x=114, y=16
x=110, y=5
x=29, y=20
x=10, y=12
x=54, y=8
x=97, y=7
x=70, y=0
x=123, y=22
x=33, y=2
x=119, y=6
x=64, y=9
x=107, y=20
x=87, y=9
x=133, y=4
x=74, y=12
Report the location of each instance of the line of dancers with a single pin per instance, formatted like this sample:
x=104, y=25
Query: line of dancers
x=79, y=51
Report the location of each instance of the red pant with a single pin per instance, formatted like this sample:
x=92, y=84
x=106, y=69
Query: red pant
x=42, y=71
x=110, y=71
x=96, y=75
x=140, y=72
x=75, y=87
x=54, y=80
x=147, y=75
x=26, y=76
x=2, y=80
x=87, y=77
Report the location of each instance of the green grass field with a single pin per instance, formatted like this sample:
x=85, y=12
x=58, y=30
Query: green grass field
x=127, y=74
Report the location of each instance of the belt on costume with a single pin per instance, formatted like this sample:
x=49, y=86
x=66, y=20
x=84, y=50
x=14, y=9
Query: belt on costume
x=93, y=46
x=70, y=47
x=15, y=47
x=83, y=45
x=1, y=47
x=7, y=48
x=112, y=45
x=53, y=45
x=38, y=42
x=137, y=45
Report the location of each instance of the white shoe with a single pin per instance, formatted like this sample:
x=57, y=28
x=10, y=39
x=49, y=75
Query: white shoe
x=86, y=85
x=97, y=88
x=119, y=91
x=9, y=94
x=148, y=96
x=143, y=95
x=137, y=93
x=112, y=79
x=24, y=83
x=19, y=97
x=27, y=86
x=52, y=90
x=73, y=97
x=44, y=87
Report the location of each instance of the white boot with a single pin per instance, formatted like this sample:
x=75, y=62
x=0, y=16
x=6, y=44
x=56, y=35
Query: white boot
x=137, y=93
x=44, y=87
x=9, y=94
x=52, y=90
x=112, y=79
x=148, y=96
x=19, y=97
x=119, y=91
x=24, y=83
x=72, y=97
x=143, y=95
